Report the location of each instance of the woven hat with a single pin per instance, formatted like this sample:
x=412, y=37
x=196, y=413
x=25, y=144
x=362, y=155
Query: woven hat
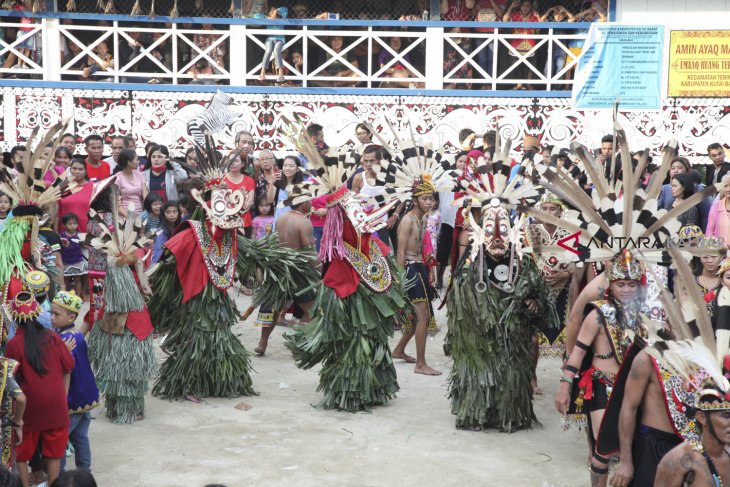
x=37, y=282
x=68, y=300
x=24, y=307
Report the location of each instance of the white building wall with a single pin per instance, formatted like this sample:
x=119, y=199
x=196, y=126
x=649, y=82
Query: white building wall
x=675, y=14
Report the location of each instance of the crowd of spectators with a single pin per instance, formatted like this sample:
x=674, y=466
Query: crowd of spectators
x=146, y=56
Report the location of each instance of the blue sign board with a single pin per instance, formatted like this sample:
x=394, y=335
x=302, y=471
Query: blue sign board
x=620, y=63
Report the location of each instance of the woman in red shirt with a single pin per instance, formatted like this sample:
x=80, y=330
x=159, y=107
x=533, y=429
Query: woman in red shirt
x=77, y=203
x=236, y=180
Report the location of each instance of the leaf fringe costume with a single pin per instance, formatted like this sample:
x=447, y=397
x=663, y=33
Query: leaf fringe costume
x=205, y=358
x=491, y=327
x=121, y=350
x=358, y=299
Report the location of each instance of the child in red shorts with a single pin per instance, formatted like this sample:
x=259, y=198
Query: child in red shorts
x=43, y=373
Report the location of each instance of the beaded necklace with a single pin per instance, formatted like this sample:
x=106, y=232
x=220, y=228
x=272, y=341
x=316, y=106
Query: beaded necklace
x=697, y=446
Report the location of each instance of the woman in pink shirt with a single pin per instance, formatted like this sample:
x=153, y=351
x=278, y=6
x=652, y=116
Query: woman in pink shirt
x=132, y=188
x=718, y=221
x=61, y=160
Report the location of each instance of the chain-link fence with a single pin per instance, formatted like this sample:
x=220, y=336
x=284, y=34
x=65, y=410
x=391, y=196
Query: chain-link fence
x=484, y=10
x=179, y=8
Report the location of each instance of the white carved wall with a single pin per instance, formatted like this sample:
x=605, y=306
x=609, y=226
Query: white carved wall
x=162, y=117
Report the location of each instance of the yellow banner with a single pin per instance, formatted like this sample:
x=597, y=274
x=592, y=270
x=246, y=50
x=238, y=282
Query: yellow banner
x=699, y=63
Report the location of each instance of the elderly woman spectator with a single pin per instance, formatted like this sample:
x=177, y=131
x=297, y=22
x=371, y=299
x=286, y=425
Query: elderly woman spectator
x=265, y=175
x=132, y=188
x=718, y=223
x=77, y=203
x=163, y=174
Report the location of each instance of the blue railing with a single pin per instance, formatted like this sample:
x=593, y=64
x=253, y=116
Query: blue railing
x=458, y=64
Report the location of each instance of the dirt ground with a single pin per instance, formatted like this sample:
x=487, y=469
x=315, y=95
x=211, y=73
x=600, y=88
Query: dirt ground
x=279, y=438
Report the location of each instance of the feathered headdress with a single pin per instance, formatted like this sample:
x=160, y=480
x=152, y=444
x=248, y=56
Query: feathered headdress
x=412, y=170
x=29, y=191
x=327, y=177
x=699, y=353
x=490, y=187
x=122, y=238
x=222, y=205
x=119, y=242
x=618, y=214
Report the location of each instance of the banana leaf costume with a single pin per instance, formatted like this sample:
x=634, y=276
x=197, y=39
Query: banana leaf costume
x=358, y=302
x=192, y=305
x=490, y=326
x=489, y=339
x=121, y=347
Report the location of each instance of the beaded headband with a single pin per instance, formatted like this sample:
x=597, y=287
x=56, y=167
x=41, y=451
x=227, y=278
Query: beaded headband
x=712, y=400
x=624, y=268
x=68, y=300
x=552, y=199
x=423, y=185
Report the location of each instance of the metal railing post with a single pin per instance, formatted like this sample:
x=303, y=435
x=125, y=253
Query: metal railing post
x=435, y=60
x=51, y=41
x=238, y=54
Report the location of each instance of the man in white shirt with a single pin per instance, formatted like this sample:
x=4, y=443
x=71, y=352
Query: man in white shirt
x=119, y=143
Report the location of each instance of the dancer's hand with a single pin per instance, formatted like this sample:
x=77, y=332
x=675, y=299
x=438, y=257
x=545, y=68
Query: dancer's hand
x=623, y=474
x=531, y=305
x=562, y=398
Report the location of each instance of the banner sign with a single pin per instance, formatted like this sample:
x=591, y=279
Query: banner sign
x=620, y=63
x=699, y=63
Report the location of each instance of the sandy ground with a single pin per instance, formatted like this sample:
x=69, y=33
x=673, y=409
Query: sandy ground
x=283, y=440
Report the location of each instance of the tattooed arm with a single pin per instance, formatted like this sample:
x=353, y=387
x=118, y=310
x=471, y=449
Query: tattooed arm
x=676, y=466
x=594, y=290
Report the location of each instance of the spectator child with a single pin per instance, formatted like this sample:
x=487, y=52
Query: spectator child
x=201, y=72
x=92, y=66
x=44, y=367
x=274, y=45
x=74, y=264
x=83, y=395
x=6, y=204
x=27, y=47
x=169, y=222
x=263, y=223
x=152, y=211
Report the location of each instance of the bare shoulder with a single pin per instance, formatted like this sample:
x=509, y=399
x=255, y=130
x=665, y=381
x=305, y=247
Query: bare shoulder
x=676, y=464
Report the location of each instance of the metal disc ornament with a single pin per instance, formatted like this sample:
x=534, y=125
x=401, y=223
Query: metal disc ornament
x=501, y=272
